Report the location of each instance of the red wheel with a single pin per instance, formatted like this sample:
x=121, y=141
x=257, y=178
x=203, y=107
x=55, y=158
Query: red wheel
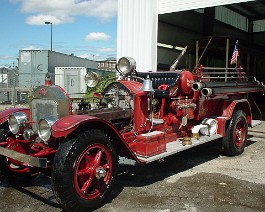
x=235, y=139
x=240, y=133
x=84, y=171
x=13, y=172
x=92, y=171
x=14, y=165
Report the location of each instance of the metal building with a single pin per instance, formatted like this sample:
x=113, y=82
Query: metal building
x=146, y=27
x=8, y=81
x=34, y=64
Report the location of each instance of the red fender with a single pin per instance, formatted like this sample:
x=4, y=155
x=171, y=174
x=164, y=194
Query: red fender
x=228, y=111
x=68, y=124
x=5, y=114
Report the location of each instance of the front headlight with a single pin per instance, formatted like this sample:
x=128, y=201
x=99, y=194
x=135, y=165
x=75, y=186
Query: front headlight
x=91, y=79
x=45, y=128
x=17, y=121
x=126, y=65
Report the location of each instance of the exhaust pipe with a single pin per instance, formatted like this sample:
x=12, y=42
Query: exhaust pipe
x=206, y=92
x=197, y=86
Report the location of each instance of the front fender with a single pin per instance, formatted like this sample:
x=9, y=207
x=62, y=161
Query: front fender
x=5, y=114
x=69, y=124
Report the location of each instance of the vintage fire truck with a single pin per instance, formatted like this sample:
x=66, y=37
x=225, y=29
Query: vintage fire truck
x=141, y=116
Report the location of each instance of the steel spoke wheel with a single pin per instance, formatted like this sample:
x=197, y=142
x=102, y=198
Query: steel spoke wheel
x=84, y=171
x=235, y=139
x=92, y=171
x=240, y=133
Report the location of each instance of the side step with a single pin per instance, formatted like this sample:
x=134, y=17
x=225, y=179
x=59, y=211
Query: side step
x=176, y=146
x=255, y=123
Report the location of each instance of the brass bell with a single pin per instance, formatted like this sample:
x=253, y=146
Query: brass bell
x=186, y=141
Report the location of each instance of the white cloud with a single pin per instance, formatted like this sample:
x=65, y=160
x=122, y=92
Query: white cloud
x=63, y=11
x=31, y=48
x=97, y=36
x=7, y=57
x=40, y=19
x=88, y=56
x=106, y=50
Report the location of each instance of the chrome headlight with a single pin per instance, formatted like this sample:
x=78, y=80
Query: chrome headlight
x=45, y=128
x=91, y=79
x=17, y=121
x=126, y=65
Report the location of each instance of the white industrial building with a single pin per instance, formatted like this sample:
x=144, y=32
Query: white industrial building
x=151, y=31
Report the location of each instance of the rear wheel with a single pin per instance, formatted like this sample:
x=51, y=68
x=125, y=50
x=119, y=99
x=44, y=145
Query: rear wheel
x=235, y=139
x=84, y=170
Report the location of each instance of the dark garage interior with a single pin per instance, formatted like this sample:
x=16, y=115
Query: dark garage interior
x=218, y=29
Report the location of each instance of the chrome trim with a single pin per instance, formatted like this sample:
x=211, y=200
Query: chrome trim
x=45, y=131
x=17, y=122
x=126, y=65
x=91, y=79
x=27, y=159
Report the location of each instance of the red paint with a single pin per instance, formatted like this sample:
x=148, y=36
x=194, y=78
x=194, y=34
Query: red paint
x=150, y=145
x=5, y=114
x=93, y=158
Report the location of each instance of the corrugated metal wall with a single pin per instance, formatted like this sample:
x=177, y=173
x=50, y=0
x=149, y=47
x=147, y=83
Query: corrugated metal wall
x=71, y=79
x=137, y=32
x=169, y=6
x=33, y=65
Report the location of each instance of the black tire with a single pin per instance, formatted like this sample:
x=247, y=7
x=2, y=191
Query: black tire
x=84, y=170
x=235, y=138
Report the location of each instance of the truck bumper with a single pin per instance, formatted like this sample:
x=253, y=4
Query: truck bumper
x=26, y=159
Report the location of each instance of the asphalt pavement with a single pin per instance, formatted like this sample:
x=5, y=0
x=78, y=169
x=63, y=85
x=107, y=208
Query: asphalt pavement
x=197, y=180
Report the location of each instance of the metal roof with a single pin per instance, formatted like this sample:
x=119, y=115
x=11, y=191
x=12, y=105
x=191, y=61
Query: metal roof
x=254, y=10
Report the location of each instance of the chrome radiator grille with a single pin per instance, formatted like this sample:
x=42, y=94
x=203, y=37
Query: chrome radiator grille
x=41, y=108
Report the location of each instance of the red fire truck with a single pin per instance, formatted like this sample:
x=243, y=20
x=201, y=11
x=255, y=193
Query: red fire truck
x=142, y=116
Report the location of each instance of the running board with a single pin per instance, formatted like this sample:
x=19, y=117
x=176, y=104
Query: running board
x=176, y=146
x=255, y=123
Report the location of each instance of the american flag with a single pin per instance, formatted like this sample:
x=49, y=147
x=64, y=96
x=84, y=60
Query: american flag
x=235, y=54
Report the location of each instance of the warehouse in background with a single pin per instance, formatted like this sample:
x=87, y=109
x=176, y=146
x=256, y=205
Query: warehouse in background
x=32, y=67
x=34, y=64
x=67, y=71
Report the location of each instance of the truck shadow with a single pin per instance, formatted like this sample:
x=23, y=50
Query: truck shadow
x=50, y=200
x=135, y=175
x=144, y=175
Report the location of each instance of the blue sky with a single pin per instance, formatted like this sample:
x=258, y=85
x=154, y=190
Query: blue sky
x=87, y=28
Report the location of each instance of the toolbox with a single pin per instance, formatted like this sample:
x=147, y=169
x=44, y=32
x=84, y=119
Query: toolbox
x=150, y=144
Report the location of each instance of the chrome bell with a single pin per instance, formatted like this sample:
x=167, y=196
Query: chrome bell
x=147, y=85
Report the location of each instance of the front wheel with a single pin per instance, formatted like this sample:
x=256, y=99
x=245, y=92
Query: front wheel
x=13, y=172
x=235, y=139
x=84, y=170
